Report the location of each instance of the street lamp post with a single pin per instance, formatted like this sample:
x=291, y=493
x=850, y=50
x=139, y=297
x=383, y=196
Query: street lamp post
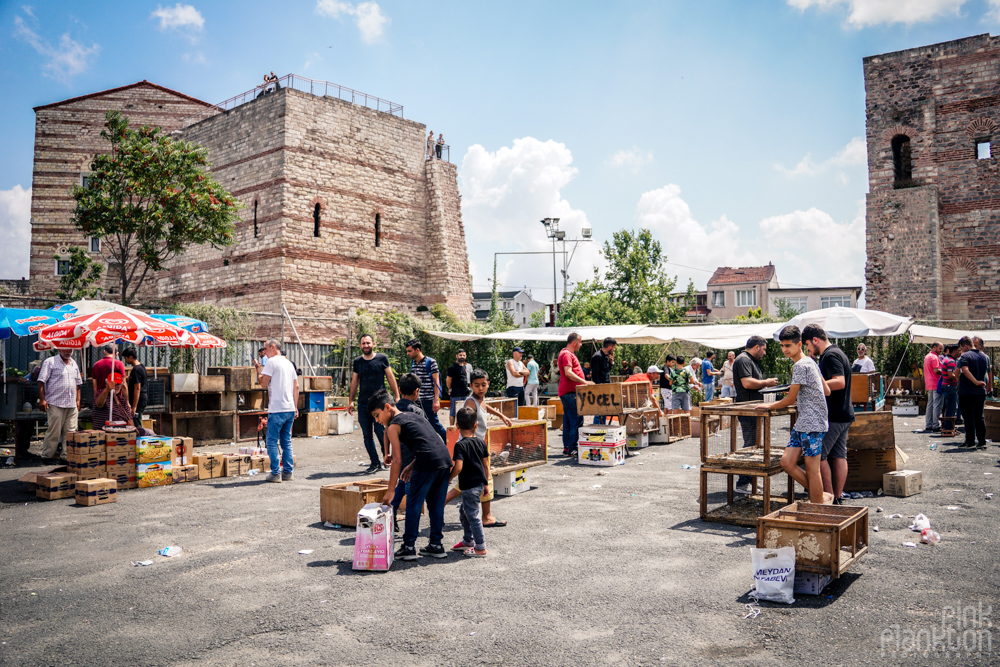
x=553, y=232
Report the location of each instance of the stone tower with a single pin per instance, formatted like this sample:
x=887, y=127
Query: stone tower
x=341, y=211
x=933, y=208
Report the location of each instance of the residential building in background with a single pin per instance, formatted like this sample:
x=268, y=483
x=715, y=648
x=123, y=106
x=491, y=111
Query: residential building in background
x=933, y=209
x=518, y=303
x=735, y=291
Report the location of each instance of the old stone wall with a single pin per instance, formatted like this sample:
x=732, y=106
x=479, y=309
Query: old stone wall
x=945, y=98
x=67, y=136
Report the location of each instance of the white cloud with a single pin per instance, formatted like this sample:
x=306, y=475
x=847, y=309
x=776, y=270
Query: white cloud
x=634, y=158
x=993, y=15
x=196, y=58
x=865, y=13
x=367, y=15
x=64, y=61
x=179, y=17
x=15, y=231
x=505, y=194
x=847, y=159
x=807, y=247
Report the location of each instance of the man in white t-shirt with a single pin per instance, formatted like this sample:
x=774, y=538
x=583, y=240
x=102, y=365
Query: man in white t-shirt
x=864, y=363
x=278, y=376
x=516, y=373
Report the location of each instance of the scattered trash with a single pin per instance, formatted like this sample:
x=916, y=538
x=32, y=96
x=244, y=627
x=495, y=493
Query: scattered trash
x=895, y=516
x=141, y=563
x=305, y=552
x=331, y=525
x=641, y=463
x=986, y=473
x=252, y=472
x=687, y=467
x=600, y=473
x=928, y=536
x=753, y=610
x=920, y=522
x=879, y=509
x=875, y=529
x=989, y=496
x=596, y=486
x=471, y=633
x=909, y=544
x=315, y=437
x=170, y=552
x=953, y=508
x=34, y=593
x=862, y=494
x=323, y=601
x=933, y=446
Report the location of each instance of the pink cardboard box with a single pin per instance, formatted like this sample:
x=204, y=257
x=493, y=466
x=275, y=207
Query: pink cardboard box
x=373, y=544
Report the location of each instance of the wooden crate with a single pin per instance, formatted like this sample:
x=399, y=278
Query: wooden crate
x=528, y=444
x=732, y=411
x=506, y=406
x=827, y=538
x=309, y=424
x=678, y=427
x=238, y=378
x=537, y=412
x=872, y=430
x=641, y=421
x=865, y=387
x=340, y=503
x=318, y=382
x=742, y=510
x=211, y=383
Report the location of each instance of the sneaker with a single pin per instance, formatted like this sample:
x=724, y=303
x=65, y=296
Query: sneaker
x=936, y=429
x=434, y=551
x=838, y=501
x=743, y=489
x=406, y=553
x=473, y=552
x=286, y=477
x=571, y=453
x=373, y=468
x=462, y=546
x=273, y=478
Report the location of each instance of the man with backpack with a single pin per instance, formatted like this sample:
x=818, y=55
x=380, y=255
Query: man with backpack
x=426, y=369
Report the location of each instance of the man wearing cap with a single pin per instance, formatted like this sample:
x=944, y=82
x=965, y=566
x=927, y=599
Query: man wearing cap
x=516, y=373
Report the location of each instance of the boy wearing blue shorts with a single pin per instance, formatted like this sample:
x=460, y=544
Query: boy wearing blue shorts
x=807, y=393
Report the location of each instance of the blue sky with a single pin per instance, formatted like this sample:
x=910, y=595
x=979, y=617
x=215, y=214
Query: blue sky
x=734, y=130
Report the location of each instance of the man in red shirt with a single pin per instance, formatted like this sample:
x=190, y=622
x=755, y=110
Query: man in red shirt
x=570, y=376
x=102, y=369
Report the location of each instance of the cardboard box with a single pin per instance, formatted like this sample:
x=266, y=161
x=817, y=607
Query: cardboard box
x=341, y=423
x=373, y=540
x=120, y=439
x=260, y=463
x=537, y=412
x=601, y=455
x=810, y=583
x=902, y=483
x=602, y=434
x=153, y=449
x=184, y=383
x=53, y=486
x=513, y=482
x=86, y=466
x=341, y=503
x=637, y=441
x=96, y=492
x=84, y=442
x=185, y=473
x=209, y=464
x=866, y=468
x=235, y=465
x=183, y=451
x=120, y=456
x=124, y=475
x=154, y=474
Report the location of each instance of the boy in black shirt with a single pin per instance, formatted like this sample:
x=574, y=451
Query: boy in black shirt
x=409, y=390
x=427, y=474
x=472, y=467
x=137, y=394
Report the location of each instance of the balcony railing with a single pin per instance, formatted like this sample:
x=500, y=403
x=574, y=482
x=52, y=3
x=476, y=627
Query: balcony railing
x=311, y=86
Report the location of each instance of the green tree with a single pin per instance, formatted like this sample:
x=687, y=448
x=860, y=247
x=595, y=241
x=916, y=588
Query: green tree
x=148, y=199
x=786, y=311
x=79, y=281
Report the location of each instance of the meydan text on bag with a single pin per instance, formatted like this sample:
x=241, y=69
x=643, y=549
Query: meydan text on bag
x=774, y=574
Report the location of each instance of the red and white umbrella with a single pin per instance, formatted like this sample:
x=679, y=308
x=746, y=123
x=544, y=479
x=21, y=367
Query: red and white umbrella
x=110, y=326
x=200, y=341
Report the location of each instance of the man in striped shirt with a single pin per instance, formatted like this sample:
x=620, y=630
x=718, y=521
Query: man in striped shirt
x=426, y=369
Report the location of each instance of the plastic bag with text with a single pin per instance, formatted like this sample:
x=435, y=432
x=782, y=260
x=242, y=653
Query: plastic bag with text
x=774, y=574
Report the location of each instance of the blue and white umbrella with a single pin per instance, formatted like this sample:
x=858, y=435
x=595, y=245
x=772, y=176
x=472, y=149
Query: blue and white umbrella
x=26, y=321
x=188, y=323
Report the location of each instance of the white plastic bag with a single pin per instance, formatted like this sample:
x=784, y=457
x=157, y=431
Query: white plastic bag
x=920, y=523
x=774, y=574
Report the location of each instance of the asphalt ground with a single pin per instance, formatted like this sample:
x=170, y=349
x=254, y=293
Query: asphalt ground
x=624, y=573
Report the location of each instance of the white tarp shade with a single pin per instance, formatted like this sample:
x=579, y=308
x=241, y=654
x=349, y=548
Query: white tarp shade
x=719, y=336
x=622, y=333
x=723, y=336
x=927, y=335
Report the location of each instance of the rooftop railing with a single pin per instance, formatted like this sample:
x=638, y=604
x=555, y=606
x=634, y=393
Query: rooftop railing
x=296, y=82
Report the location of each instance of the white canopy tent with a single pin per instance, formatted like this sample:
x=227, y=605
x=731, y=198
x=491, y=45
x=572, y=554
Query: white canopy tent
x=927, y=335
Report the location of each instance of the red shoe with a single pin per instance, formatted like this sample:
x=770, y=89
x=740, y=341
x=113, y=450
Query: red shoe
x=461, y=546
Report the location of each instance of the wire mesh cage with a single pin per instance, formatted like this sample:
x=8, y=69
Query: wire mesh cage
x=517, y=446
x=741, y=440
x=722, y=502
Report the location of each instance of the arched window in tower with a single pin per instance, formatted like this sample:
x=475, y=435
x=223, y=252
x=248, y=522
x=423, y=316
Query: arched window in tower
x=902, y=162
x=378, y=230
x=255, y=218
x=316, y=210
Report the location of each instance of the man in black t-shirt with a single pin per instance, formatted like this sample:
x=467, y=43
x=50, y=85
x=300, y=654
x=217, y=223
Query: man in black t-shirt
x=836, y=370
x=137, y=393
x=368, y=376
x=973, y=369
x=600, y=367
x=459, y=382
x=749, y=380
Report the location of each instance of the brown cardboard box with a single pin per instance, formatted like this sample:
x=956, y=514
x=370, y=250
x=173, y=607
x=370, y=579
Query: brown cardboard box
x=183, y=450
x=236, y=465
x=120, y=439
x=866, y=467
x=124, y=475
x=96, y=492
x=84, y=442
x=154, y=474
x=185, y=473
x=209, y=464
x=120, y=456
x=260, y=463
x=87, y=466
x=53, y=486
x=903, y=483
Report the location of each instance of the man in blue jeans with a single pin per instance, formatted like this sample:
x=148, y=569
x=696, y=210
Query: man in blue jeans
x=708, y=374
x=279, y=378
x=369, y=374
x=570, y=377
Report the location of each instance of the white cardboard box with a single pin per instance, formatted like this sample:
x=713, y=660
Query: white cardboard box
x=810, y=583
x=513, y=482
x=605, y=454
x=601, y=434
x=341, y=423
x=638, y=441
